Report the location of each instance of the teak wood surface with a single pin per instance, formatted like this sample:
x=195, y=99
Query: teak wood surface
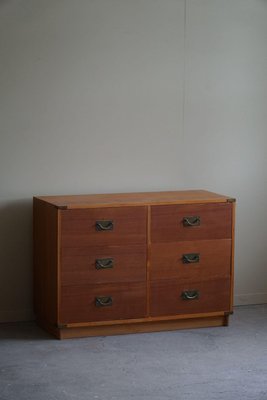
x=134, y=199
x=78, y=264
x=141, y=327
x=214, y=260
x=46, y=261
x=166, y=296
x=78, y=227
x=167, y=222
x=78, y=302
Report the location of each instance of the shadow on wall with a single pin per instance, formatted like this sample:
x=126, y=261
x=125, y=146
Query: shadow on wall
x=16, y=260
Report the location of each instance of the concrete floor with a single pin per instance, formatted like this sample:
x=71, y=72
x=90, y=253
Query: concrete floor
x=215, y=363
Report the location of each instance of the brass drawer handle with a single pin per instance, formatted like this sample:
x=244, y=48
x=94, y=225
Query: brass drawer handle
x=105, y=225
x=104, y=263
x=103, y=301
x=191, y=258
x=191, y=221
x=190, y=295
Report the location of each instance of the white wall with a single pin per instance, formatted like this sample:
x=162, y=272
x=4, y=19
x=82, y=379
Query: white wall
x=226, y=123
x=122, y=95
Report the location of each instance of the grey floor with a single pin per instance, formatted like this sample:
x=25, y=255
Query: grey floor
x=214, y=363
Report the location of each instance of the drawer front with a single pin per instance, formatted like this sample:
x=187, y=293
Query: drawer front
x=190, y=222
x=174, y=297
x=103, y=226
x=85, y=303
x=196, y=260
x=85, y=265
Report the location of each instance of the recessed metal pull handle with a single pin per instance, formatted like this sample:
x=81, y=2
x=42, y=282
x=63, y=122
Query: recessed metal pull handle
x=191, y=258
x=104, y=225
x=193, y=220
x=103, y=301
x=104, y=263
x=190, y=295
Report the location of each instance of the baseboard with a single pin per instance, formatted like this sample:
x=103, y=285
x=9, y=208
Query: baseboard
x=16, y=315
x=250, y=298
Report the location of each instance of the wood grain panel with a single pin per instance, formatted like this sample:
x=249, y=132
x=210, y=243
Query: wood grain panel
x=45, y=261
x=78, y=227
x=214, y=260
x=78, y=302
x=166, y=299
x=133, y=199
x=149, y=326
x=78, y=264
x=232, y=257
x=167, y=222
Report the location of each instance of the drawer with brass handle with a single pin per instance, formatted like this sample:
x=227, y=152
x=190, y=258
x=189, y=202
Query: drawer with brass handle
x=103, y=264
x=176, y=297
x=193, y=260
x=107, y=226
x=190, y=222
x=85, y=303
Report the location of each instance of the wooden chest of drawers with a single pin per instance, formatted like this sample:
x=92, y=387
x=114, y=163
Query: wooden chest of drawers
x=139, y=262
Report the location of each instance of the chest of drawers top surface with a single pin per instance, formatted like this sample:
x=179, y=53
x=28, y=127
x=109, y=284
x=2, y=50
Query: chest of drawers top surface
x=133, y=199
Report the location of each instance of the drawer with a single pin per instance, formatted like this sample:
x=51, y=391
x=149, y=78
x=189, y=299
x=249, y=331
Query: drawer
x=103, y=264
x=85, y=303
x=196, y=260
x=171, y=223
x=103, y=226
x=174, y=297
